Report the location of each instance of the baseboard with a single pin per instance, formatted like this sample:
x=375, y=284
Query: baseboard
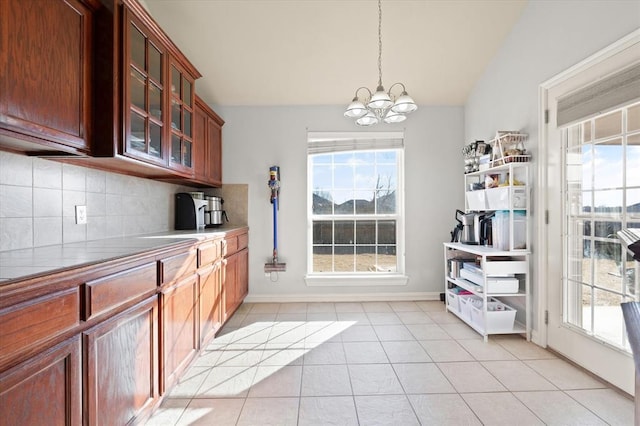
x=342, y=297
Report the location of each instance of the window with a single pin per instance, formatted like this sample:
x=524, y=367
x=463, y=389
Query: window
x=355, y=204
x=602, y=160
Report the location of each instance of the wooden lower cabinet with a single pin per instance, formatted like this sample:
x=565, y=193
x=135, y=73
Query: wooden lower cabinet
x=46, y=389
x=179, y=325
x=121, y=366
x=235, y=282
x=210, y=301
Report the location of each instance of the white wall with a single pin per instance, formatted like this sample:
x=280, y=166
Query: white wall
x=255, y=138
x=549, y=37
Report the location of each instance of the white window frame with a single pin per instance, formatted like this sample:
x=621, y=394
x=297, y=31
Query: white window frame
x=358, y=141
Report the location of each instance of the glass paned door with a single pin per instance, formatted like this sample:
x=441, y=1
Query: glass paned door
x=144, y=92
x=602, y=196
x=181, y=120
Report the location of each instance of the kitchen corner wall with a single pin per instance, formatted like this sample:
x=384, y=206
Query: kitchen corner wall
x=255, y=138
x=38, y=199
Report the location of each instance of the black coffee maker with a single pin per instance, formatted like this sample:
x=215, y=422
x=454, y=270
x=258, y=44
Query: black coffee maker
x=189, y=211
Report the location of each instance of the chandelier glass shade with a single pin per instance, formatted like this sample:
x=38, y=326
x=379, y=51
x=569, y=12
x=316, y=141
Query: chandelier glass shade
x=381, y=106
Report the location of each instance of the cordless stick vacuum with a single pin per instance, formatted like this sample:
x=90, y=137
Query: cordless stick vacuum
x=274, y=185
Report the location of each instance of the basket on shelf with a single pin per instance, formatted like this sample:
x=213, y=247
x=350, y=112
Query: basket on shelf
x=508, y=147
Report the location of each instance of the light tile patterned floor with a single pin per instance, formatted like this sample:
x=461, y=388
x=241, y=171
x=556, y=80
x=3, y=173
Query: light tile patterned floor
x=379, y=363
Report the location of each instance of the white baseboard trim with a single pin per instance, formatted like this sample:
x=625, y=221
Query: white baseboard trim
x=342, y=297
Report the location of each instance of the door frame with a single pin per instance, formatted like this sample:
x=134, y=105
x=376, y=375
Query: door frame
x=544, y=282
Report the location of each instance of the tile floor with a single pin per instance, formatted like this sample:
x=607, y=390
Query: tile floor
x=380, y=363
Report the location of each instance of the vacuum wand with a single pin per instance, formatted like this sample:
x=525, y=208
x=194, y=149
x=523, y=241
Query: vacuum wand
x=274, y=185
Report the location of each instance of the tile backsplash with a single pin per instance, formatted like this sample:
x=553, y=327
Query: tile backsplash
x=38, y=199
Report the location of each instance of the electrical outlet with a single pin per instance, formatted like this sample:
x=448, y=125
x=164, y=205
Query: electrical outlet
x=81, y=215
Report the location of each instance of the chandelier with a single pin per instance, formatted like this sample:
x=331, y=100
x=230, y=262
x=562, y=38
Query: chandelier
x=381, y=105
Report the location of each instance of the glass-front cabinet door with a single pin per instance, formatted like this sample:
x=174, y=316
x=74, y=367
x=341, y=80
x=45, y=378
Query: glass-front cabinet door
x=144, y=86
x=181, y=105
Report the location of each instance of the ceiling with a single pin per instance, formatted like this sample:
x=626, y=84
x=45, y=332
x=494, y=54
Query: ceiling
x=317, y=52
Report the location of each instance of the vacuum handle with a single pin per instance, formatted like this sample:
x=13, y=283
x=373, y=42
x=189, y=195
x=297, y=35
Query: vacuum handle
x=458, y=213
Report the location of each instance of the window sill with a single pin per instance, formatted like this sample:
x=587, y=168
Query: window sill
x=316, y=280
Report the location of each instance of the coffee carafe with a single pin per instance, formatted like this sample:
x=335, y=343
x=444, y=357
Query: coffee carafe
x=214, y=214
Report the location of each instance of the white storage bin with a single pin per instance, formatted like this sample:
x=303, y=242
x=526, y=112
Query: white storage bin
x=501, y=285
x=466, y=302
x=506, y=197
x=476, y=200
x=499, y=317
x=453, y=301
x=501, y=232
x=498, y=198
x=473, y=276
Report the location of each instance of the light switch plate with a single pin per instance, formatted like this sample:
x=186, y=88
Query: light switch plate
x=81, y=215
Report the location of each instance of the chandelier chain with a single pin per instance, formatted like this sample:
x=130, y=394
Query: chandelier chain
x=379, y=42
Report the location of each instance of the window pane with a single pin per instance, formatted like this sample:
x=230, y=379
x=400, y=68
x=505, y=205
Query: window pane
x=138, y=138
x=633, y=160
x=366, y=259
x=187, y=154
x=137, y=47
x=343, y=177
x=176, y=150
x=606, y=229
x=579, y=252
x=155, y=101
x=608, y=165
x=187, y=123
x=175, y=81
x=586, y=131
x=607, y=265
x=175, y=116
x=387, y=232
x=155, y=63
x=386, y=204
x=322, y=232
x=386, y=157
x=633, y=203
x=344, y=203
x=322, y=259
x=631, y=278
x=387, y=261
x=574, y=136
x=608, y=202
x=366, y=179
x=344, y=259
x=322, y=203
x=579, y=306
x=608, y=318
x=343, y=158
x=364, y=206
x=322, y=158
x=186, y=92
x=344, y=232
x=155, y=141
x=137, y=83
x=365, y=232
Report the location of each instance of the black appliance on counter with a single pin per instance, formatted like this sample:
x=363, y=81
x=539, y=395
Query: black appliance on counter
x=189, y=211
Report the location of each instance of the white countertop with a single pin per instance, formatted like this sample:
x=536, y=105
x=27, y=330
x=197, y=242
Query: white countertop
x=19, y=264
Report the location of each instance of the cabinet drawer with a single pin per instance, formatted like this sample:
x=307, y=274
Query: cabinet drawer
x=109, y=292
x=209, y=252
x=229, y=246
x=177, y=266
x=31, y=323
x=243, y=241
x=505, y=267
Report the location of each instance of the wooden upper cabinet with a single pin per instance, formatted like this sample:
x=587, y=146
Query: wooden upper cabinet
x=207, y=142
x=45, y=75
x=144, y=85
x=144, y=95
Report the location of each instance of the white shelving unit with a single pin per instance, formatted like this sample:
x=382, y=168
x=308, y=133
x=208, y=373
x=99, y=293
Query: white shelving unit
x=512, y=195
x=498, y=294
x=492, y=263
